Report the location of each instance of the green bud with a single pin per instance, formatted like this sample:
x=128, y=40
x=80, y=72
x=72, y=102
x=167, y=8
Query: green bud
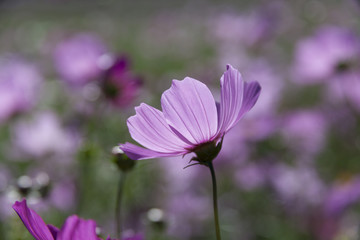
x=122, y=161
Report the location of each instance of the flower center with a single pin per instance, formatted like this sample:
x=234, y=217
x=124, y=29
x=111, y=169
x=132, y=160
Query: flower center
x=207, y=152
x=111, y=90
x=343, y=66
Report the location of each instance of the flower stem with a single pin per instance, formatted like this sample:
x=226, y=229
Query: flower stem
x=216, y=215
x=119, y=194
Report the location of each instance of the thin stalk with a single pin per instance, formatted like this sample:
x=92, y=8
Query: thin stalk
x=120, y=190
x=216, y=214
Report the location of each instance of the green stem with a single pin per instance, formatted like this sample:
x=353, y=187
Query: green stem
x=119, y=194
x=216, y=214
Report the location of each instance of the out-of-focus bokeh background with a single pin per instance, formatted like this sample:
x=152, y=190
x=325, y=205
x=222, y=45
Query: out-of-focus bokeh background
x=71, y=73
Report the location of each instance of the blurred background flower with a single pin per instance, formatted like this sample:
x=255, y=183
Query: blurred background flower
x=20, y=83
x=78, y=58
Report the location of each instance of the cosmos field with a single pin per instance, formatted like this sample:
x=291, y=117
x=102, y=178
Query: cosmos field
x=115, y=117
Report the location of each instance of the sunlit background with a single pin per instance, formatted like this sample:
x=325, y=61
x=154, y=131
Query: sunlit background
x=71, y=73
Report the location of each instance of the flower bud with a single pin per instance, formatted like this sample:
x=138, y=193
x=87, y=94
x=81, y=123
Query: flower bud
x=123, y=162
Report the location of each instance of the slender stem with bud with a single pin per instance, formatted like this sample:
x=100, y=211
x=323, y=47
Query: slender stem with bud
x=118, y=222
x=216, y=215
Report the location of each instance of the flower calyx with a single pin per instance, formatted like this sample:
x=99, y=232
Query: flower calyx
x=207, y=152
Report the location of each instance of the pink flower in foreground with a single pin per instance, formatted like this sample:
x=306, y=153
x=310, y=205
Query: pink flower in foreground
x=74, y=228
x=190, y=120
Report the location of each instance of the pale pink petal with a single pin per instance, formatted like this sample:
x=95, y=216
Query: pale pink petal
x=232, y=89
x=251, y=94
x=237, y=98
x=77, y=228
x=149, y=128
x=32, y=221
x=190, y=109
x=138, y=153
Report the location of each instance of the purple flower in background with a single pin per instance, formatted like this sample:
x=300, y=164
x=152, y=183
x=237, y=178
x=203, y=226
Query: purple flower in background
x=341, y=196
x=183, y=204
x=77, y=59
x=351, y=88
x=47, y=136
x=301, y=185
x=184, y=211
x=19, y=85
x=272, y=84
x=346, y=88
x=252, y=29
x=63, y=195
x=120, y=86
x=305, y=131
x=190, y=120
x=329, y=51
x=251, y=177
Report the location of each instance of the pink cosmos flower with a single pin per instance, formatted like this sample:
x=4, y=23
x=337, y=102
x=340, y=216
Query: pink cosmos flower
x=74, y=228
x=191, y=120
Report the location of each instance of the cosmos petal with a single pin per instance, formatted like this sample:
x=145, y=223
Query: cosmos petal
x=32, y=221
x=138, y=153
x=190, y=109
x=251, y=95
x=149, y=128
x=54, y=230
x=77, y=228
x=232, y=90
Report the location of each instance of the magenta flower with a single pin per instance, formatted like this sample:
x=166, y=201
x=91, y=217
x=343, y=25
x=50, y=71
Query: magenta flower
x=191, y=120
x=120, y=85
x=74, y=228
